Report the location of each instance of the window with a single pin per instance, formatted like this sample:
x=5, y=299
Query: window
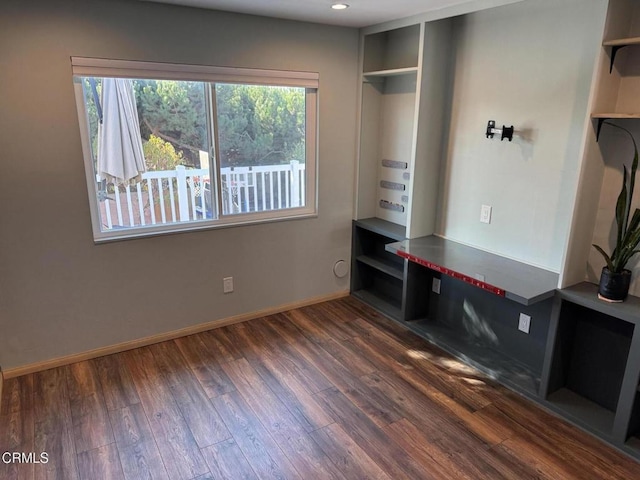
x=174, y=147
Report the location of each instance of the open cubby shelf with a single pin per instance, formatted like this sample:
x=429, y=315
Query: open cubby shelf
x=582, y=411
x=390, y=50
x=383, y=304
x=383, y=265
x=378, y=276
x=593, y=367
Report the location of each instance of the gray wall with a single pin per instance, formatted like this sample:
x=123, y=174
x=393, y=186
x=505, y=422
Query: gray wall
x=59, y=293
x=530, y=65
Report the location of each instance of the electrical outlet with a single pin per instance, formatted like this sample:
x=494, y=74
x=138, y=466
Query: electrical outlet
x=485, y=214
x=435, y=286
x=524, y=323
x=227, y=284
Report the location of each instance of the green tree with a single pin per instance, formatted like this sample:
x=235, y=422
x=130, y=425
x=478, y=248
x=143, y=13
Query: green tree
x=174, y=111
x=260, y=125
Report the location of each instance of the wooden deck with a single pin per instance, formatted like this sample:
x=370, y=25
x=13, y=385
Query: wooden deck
x=328, y=391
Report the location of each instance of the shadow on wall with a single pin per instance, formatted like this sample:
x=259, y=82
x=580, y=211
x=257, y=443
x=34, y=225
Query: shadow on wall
x=525, y=137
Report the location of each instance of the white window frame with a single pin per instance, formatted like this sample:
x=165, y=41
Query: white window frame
x=92, y=67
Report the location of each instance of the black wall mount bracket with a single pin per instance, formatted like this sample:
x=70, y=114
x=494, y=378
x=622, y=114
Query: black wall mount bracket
x=505, y=132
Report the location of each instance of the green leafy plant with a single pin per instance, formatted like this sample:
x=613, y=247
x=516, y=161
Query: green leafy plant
x=628, y=232
x=161, y=155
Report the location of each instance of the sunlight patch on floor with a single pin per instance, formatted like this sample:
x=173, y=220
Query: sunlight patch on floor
x=451, y=364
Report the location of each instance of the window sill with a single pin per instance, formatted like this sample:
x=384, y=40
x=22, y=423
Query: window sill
x=230, y=221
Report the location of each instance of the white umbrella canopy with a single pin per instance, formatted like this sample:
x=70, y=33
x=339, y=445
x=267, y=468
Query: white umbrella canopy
x=120, y=155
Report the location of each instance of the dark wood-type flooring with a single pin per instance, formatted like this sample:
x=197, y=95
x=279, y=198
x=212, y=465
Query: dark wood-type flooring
x=328, y=391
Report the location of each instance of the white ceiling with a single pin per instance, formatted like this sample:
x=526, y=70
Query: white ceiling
x=360, y=13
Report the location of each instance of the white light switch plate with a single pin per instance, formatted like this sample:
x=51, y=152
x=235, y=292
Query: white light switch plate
x=485, y=214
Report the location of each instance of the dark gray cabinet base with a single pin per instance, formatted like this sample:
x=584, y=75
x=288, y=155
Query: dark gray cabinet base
x=592, y=367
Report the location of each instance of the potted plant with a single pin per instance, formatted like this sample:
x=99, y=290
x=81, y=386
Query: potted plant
x=615, y=278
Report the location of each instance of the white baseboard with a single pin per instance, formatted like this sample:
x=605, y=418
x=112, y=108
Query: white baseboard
x=162, y=337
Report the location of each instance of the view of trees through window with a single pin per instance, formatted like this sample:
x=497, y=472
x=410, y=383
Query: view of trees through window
x=260, y=125
x=257, y=125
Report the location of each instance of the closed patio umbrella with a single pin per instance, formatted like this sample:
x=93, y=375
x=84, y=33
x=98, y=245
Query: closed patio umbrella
x=120, y=155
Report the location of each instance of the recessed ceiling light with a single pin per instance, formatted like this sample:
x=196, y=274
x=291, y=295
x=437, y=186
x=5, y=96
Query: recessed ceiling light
x=339, y=6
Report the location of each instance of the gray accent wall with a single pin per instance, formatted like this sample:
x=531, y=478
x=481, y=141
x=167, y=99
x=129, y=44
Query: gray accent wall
x=60, y=294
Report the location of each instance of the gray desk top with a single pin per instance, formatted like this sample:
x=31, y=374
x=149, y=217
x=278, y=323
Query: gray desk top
x=514, y=280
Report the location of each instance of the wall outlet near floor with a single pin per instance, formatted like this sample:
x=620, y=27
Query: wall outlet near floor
x=485, y=214
x=227, y=284
x=524, y=323
x=435, y=286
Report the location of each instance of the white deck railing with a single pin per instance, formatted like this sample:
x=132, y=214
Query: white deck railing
x=267, y=187
x=182, y=194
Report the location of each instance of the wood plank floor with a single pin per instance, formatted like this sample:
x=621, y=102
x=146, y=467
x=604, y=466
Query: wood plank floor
x=329, y=391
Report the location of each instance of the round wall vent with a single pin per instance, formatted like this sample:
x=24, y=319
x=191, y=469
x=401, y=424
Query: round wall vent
x=340, y=269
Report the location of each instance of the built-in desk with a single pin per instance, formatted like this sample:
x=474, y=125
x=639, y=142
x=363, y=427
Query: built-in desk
x=581, y=357
x=502, y=276
x=475, y=314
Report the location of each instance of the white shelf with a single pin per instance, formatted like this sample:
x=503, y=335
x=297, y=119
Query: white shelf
x=617, y=44
x=395, y=72
x=615, y=115
x=602, y=117
x=622, y=42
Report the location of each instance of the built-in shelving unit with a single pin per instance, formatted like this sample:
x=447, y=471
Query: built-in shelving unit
x=403, y=96
x=405, y=89
x=593, y=370
x=615, y=98
x=404, y=73
x=381, y=278
x=581, y=357
x=377, y=276
x=613, y=46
